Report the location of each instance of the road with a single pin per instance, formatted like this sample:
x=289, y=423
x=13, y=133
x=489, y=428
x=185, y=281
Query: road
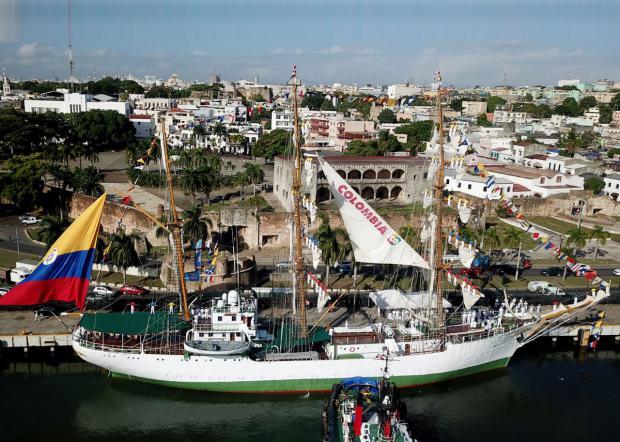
x=13, y=232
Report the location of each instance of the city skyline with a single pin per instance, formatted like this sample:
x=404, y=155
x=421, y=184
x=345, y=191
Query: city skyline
x=474, y=42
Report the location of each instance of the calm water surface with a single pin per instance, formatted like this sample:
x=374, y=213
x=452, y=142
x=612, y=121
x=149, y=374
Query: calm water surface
x=541, y=396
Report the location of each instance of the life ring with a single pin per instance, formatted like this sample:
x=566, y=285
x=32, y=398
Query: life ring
x=351, y=349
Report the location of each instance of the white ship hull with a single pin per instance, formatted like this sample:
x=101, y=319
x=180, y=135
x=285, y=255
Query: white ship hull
x=242, y=374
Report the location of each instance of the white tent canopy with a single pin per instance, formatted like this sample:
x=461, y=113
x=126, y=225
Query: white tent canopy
x=393, y=299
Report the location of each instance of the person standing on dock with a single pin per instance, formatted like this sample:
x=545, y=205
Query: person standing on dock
x=152, y=305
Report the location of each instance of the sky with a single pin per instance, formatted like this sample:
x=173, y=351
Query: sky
x=473, y=42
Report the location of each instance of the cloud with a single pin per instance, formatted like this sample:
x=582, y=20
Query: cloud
x=338, y=49
x=31, y=50
x=282, y=51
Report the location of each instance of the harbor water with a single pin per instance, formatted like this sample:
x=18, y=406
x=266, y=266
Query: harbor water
x=544, y=394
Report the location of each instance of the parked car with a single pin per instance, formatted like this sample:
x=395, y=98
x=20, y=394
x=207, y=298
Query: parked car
x=132, y=290
x=103, y=290
x=553, y=291
x=552, y=271
x=31, y=220
x=44, y=313
x=616, y=272
x=284, y=265
x=24, y=216
x=538, y=286
x=345, y=268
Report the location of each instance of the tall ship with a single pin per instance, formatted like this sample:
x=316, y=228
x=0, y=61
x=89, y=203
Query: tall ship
x=225, y=345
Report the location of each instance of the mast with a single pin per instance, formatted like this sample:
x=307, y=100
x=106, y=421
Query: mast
x=439, y=185
x=300, y=281
x=175, y=226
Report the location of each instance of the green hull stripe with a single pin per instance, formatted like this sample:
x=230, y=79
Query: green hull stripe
x=303, y=385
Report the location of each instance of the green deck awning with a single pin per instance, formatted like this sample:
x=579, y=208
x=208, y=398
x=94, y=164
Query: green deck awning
x=137, y=324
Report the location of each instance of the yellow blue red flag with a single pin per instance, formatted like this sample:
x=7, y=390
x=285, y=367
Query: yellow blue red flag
x=64, y=273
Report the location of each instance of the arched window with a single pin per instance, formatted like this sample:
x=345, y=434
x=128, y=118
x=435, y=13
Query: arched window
x=369, y=175
x=342, y=173
x=382, y=193
x=398, y=173
x=323, y=194
x=355, y=174
x=384, y=174
x=368, y=193
x=396, y=191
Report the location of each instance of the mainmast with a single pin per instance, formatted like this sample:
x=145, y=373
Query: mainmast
x=300, y=281
x=175, y=227
x=439, y=186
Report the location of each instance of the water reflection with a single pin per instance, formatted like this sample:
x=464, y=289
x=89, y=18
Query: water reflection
x=542, y=395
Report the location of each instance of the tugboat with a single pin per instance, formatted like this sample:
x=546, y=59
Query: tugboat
x=363, y=409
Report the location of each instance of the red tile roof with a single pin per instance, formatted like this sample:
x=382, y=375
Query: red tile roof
x=139, y=117
x=518, y=188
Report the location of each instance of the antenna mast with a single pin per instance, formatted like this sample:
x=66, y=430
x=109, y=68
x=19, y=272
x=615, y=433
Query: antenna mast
x=439, y=185
x=69, y=45
x=300, y=281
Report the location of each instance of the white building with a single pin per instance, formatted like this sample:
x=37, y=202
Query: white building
x=612, y=186
x=475, y=185
x=144, y=125
x=282, y=120
x=507, y=117
x=541, y=183
x=64, y=102
x=397, y=91
x=474, y=108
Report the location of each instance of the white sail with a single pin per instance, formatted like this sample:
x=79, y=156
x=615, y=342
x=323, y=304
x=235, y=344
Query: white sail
x=466, y=254
x=372, y=239
x=470, y=296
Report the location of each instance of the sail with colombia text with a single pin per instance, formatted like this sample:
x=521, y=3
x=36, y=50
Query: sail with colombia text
x=373, y=240
x=64, y=273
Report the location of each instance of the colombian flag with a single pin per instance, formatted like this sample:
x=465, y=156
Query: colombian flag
x=64, y=272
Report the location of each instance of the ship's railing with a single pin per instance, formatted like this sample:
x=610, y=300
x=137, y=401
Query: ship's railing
x=131, y=345
x=478, y=334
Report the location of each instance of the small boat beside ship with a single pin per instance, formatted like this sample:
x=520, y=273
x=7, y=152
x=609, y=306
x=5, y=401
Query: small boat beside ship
x=366, y=409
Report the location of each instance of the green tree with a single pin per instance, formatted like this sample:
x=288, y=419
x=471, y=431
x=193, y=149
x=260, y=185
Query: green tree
x=313, y=100
x=605, y=114
x=615, y=102
x=595, y=184
x=122, y=252
x=269, y=145
x=254, y=174
x=51, y=229
x=577, y=237
x=194, y=228
x=88, y=181
x=409, y=234
x=457, y=104
x=569, y=108
x=418, y=133
x=387, y=116
x=512, y=237
x=571, y=142
x=327, y=105
x=482, y=121
x=102, y=130
x=21, y=182
x=586, y=103
x=492, y=238
x=494, y=101
x=362, y=149
x=331, y=250
x=192, y=181
x=599, y=234
x=528, y=97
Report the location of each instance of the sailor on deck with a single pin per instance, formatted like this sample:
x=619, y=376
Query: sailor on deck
x=171, y=308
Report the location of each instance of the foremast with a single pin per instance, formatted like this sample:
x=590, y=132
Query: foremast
x=438, y=197
x=300, y=280
x=174, y=227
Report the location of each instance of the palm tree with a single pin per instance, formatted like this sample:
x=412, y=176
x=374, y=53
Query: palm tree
x=193, y=227
x=51, y=229
x=571, y=142
x=600, y=235
x=192, y=181
x=331, y=250
x=122, y=252
x=219, y=129
x=512, y=237
x=88, y=181
x=254, y=174
x=492, y=238
x=577, y=237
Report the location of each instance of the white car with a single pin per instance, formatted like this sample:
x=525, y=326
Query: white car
x=538, y=286
x=31, y=220
x=616, y=272
x=284, y=265
x=103, y=290
x=553, y=291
